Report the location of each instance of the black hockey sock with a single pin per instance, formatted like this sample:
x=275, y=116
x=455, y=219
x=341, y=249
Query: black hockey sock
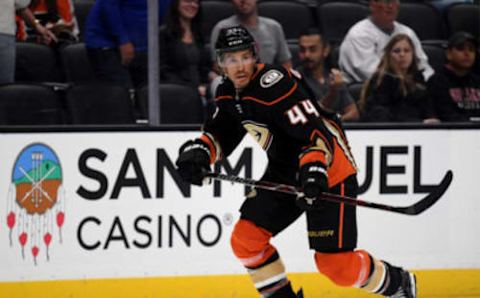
x=393, y=281
x=284, y=292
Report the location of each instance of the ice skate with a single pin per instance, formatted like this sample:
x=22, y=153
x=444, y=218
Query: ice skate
x=408, y=288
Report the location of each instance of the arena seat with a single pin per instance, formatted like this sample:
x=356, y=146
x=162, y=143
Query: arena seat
x=422, y=18
x=29, y=104
x=336, y=18
x=179, y=104
x=334, y=55
x=294, y=17
x=294, y=50
x=76, y=65
x=436, y=56
x=463, y=17
x=36, y=63
x=99, y=104
x=212, y=13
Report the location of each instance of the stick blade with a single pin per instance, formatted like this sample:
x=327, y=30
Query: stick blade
x=429, y=200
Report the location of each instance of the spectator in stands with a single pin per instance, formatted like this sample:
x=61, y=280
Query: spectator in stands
x=183, y=57
x=268, y=33
x=455, y=91
x=116, y=41
x=7, y=35
x=397, y=90
x=55, y=15
x=362, y=47
x=327, y=84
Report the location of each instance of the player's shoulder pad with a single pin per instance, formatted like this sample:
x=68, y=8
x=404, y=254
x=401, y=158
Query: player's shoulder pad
x=270, y=83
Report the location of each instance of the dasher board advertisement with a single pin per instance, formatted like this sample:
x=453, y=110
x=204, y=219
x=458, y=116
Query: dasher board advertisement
x=110, y=205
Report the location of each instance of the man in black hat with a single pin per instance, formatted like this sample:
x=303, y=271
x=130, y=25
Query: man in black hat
x=455, y=91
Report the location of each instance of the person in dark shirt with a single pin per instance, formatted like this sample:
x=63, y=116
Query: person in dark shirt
x=397, y=92
x=455, y=91
x=116, y=41
x=183, y=56
x=326, y=83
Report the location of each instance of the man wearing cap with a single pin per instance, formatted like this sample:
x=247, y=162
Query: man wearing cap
x=455, y=91
x=363, y=45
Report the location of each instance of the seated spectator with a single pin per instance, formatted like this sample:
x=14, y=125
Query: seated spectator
x=271, y=43
x=327, y=84
x=183, y=57
x=55, y=15
x=116, y=41
x=455, y=91
x=397, y=92
x=362, y=47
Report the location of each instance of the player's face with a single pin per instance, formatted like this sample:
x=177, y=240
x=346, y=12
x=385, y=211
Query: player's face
x=188, y=9
x=238, y=67
x=462, y=56
x=312, y=51
x=245, y=7
x=384, y=12
x=401, y=56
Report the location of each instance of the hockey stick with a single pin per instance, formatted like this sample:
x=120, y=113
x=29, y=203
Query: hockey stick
x=414, y=209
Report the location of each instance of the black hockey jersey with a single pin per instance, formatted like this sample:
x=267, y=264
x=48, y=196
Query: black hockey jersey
x=277, y=110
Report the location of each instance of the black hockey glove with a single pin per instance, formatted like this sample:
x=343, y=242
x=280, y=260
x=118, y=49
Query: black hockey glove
x=193, y=161
x=313, y=180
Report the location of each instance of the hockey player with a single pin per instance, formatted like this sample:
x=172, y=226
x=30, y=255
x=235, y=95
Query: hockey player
x=306, y=147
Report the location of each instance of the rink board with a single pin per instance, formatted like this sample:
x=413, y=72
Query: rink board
x=129, y=229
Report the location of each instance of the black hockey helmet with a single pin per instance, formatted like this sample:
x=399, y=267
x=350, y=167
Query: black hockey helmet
x=233, y=39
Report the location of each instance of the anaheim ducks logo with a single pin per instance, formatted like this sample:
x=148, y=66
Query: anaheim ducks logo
x=36, y=200
x=270, y=78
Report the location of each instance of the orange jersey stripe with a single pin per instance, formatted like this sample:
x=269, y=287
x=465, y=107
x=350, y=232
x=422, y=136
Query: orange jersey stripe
x=340, y=224
x=340, y=168
x=211, y=146
x=259, y=68
x=223, y=97
x=266, y=103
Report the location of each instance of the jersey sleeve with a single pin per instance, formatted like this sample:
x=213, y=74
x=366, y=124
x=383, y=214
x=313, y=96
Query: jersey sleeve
x=222, y=131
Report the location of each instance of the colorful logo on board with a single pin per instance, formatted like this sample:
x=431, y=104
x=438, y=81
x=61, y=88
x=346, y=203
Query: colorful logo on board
x=36, y=203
